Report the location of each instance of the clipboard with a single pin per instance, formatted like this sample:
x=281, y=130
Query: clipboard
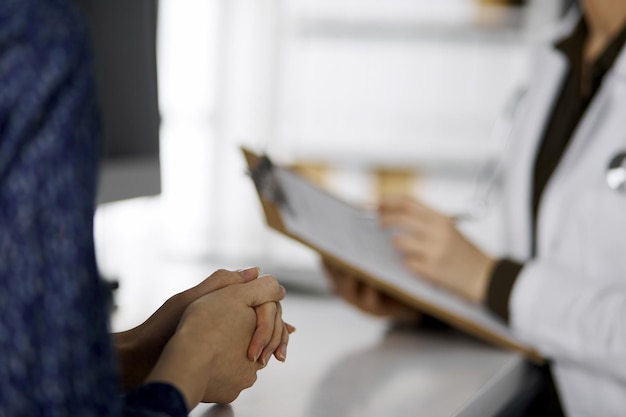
x=351, y=237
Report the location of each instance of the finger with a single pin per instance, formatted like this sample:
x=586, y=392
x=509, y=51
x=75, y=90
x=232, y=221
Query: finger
x=223, y=278
x=404, y=223
x=346, y=287
x=262, y=335
x=281, y=352
x=271, y=347
x=407, y=206
x=401, y=312
x=370, y=301
x=334, y=276
x=248, y=274
x=331, y=268
x=264, y=289
x=411, y=246
x=327, y=266
x=418, y=267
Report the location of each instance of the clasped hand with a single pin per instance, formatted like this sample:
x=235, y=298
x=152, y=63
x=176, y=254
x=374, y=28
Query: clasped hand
x=210, y=340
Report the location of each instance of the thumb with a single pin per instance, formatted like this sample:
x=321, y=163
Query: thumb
x=262, y=290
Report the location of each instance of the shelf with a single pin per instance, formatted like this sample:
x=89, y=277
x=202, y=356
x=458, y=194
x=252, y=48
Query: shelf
x=449, y=20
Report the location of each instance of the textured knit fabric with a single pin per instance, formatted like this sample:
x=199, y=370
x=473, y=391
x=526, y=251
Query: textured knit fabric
x=56, y=357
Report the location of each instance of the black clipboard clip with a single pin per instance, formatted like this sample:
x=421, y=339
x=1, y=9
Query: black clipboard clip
x=267, y=184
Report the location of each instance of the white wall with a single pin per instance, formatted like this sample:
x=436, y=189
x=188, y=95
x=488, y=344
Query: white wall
x=355, y=83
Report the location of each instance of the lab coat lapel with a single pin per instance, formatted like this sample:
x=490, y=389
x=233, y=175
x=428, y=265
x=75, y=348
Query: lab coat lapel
x=608, y=102
x=529, y=126
x=609, y=94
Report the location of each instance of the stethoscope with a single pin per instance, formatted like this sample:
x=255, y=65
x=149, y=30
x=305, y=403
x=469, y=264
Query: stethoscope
x=490, y=173
x=616, y=172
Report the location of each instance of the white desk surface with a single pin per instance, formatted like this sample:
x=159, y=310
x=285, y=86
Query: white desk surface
x=340, y=362
x=343, y=363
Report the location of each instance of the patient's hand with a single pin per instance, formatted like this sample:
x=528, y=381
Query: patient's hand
x=208, y=357
x=140, y=348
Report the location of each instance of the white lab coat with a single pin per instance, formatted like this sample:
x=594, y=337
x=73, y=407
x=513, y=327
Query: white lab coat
x=570, y=300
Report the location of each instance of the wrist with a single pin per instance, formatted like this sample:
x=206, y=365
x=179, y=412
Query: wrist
x=135, y=358
x=129, y=360
x=481, y=279
x=181, y=366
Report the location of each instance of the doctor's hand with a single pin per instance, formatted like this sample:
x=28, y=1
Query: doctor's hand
x=207, y=358
x=366, y=298
x=434, y=249
x=140, y=348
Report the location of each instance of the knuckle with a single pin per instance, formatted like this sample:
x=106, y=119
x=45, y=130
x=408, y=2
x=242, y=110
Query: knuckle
x=269, y=282
x=221, y=274
x=267, y=312
x=448, y=237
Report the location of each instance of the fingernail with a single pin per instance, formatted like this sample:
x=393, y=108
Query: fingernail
x=283, y=291
x=266, y=358
x=249, y=273
x=257, y=354
x=281, y=353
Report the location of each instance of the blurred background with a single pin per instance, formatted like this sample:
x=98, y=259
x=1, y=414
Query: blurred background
x=366, y=97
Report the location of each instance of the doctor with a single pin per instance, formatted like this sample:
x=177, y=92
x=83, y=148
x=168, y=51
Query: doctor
x=562, y=286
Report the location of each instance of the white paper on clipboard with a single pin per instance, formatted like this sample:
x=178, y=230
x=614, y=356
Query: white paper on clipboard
x=354, y=236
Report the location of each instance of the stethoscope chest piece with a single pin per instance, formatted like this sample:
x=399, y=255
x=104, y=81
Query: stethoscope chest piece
x=616, y=173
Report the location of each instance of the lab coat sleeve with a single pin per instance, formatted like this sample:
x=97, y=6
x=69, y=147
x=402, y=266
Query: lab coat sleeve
x=570, y=318
x=501, y=283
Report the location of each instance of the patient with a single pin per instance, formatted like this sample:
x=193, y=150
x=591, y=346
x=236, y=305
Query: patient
x=58, y=359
